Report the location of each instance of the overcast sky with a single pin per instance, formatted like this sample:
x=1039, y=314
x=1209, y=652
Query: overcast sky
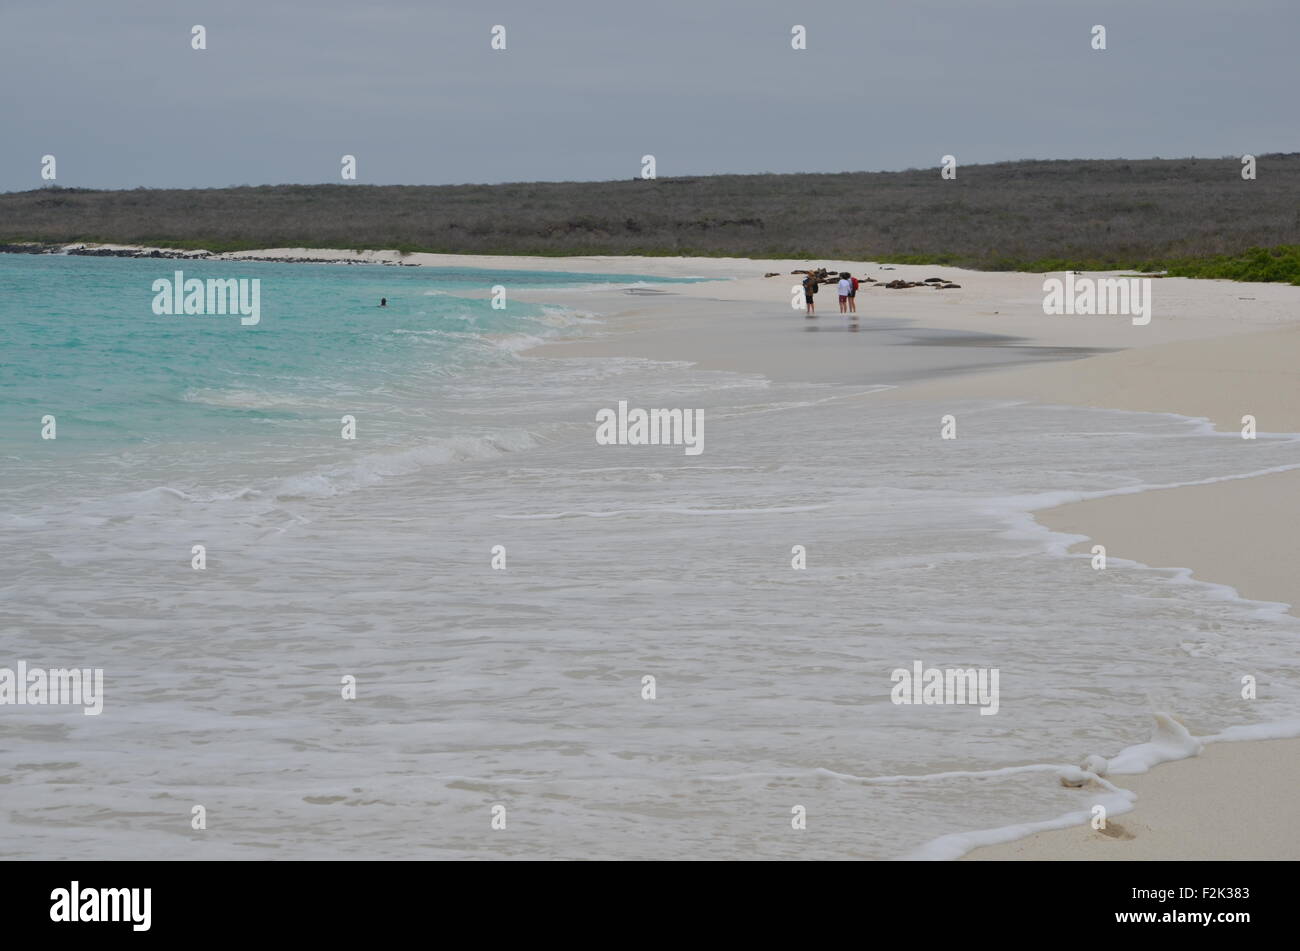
x=412, y=88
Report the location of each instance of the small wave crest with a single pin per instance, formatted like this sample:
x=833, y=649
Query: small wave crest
x=374, y=468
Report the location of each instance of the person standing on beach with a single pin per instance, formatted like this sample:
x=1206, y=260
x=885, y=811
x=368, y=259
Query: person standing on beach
x=853, y=295
x=846, y=287
x=809, y=289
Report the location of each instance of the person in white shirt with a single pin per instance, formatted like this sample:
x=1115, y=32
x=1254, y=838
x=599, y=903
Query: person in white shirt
x=846, y=288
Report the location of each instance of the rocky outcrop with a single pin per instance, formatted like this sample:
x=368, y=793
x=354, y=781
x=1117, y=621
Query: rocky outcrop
x=900, y=284
x=99, y=251
x=82, y=251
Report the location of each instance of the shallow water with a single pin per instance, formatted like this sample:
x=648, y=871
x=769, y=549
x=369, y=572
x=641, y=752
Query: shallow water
x=523, y=687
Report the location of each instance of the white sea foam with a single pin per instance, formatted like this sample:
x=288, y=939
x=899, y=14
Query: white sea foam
x=251, y=399
x=666, y=510
x=373, y=468
x=564, y=317
x=1169, y=741
x=373, y=558
x=955, y=845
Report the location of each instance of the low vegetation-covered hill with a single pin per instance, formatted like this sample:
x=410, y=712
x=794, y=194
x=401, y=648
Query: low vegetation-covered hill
x=1192, y=216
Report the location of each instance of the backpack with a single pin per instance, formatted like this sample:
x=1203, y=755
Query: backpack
x=855, y=283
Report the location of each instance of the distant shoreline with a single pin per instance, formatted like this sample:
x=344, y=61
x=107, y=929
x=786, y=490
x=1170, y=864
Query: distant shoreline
x=144, y=252
x=1194, y=217
x=1282, y=260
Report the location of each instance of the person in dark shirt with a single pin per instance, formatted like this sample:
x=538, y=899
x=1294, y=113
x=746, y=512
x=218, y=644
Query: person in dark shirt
x=809, y=289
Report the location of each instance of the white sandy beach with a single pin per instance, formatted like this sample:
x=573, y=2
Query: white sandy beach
x=1213, y=349
x=1216, y=355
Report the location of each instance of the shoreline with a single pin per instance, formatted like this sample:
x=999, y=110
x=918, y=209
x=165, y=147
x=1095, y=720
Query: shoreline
x=1220, y=353
x=1219, y=357
x=1208, y=807
x=1216, y=353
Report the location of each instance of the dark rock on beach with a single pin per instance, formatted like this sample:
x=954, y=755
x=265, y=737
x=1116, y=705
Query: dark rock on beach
x=134, y=253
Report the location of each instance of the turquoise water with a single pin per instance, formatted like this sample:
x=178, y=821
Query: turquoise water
x=522, y=686
x=80, y=341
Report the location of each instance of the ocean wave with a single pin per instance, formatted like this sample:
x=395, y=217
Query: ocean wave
x=376, y=467
x=514, y=343
x=669, y=510
x=1170, y=741
x=251, y=399
x=564, y=317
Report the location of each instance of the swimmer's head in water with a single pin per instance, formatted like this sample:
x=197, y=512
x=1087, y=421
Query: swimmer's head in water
x=383, y=302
